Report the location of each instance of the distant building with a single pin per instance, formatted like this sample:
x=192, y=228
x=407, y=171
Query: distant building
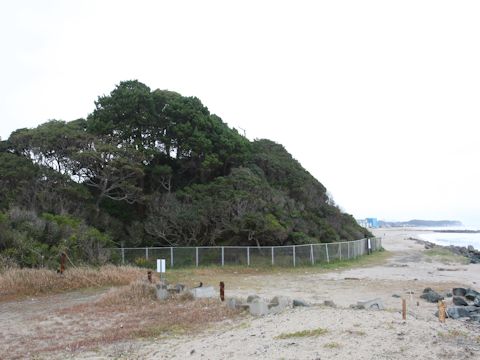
x=368, y=223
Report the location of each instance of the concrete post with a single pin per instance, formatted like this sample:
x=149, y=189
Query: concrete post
x=171, y=257
x=326, y=252
x=123, y=256
x=273, y=257
x=196, y=256
x=348, y=250
x=223, y=256
x=312, y=259
x=293, y=248
x=248, y=255
x=340, y=251
x=146, y=253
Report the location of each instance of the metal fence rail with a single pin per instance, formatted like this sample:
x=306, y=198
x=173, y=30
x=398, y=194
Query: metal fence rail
x=290, y=255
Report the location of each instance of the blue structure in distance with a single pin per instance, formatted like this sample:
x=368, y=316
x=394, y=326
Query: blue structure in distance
x=372, y=223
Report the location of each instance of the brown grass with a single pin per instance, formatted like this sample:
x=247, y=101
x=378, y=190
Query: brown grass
x=28, y=282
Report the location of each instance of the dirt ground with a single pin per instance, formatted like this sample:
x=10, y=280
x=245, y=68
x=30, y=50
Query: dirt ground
x=345, y=333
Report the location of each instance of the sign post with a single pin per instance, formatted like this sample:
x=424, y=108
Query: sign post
x=161, y=267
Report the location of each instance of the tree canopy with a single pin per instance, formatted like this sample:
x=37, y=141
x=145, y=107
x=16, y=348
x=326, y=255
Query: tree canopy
x=155, y=168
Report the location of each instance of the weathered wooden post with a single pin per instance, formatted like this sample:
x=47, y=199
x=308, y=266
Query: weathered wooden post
x=441, y=311
x=404, y=309
x=222, y=291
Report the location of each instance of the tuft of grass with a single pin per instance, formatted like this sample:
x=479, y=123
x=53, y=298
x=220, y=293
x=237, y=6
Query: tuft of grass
x=445, y=256
x=29, y=282
x=453, y=333
x=303, y=333
x=137, y=292
x=332, y=345
x=356, y=332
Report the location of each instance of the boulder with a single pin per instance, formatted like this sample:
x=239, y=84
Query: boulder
x=471, y=294
x=456, y=312
x=203, y=292
x=459, y=301
x=459, y=291
x=476, y=301
x=298, y=302
x=432, y=296
x=258, y=307
x=250, y=298
x=329, y=303
x=374, y=304
x=427, y=290
x=278, y=304
x=162, y=293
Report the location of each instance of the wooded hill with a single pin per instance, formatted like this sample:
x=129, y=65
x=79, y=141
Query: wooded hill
x=154, y=168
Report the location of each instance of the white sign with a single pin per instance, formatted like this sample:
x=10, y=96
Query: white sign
x=160, y=265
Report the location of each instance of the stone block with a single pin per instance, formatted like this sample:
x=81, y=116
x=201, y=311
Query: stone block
x=204, y=292
x=250, y=298
x=471, y=294
x=258, y=307
x=459, y=291
x=374, y=304
x=162, y=293
x=459, y=301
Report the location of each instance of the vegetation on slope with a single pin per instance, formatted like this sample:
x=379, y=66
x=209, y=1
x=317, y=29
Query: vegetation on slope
x=154, y=168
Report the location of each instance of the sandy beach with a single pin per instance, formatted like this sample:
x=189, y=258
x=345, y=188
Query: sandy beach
x=348, y=333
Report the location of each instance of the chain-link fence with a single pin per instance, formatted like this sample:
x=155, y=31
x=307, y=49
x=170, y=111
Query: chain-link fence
x=290, y=255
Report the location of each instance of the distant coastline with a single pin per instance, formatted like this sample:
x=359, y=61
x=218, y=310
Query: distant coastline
x=458, y=231
x=421, y=223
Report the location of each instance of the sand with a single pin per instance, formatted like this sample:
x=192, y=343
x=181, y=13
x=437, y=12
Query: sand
x=349, y=333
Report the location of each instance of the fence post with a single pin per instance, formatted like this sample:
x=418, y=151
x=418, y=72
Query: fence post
x=326, y=251
x=123, y=256
x=171, y=257
x=273, y=257
x=223, y=256
x=196, y=256
x=340, y=251
x=348, y=250
x=248, y=255
x=146, y=253
x=293, y=247
x=312, y=259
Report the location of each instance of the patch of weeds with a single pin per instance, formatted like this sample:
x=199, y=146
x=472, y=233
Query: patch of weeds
x=332, y=345
x=445, y=256
x=303, y=333
x=356, y=332
x=454, y=333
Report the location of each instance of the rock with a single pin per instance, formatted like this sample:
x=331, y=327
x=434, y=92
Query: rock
x=459, y=291
x=298, y=302
x=374, y=304
x=329, y=303
x=427, y=290
x=476, y=301
x=162, y=293
x=250, y=298
x=475, y=317
x=232, y=303
x=456, y=312
x=449, y=294
x=432, y=296
x=204, y=292
x=278, y=304
x=459, y=301
x=396, y=296
x=180, y=287
x=471, y=294
x=258, y=307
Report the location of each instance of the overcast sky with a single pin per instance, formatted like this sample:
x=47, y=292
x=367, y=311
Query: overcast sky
x=379, y=100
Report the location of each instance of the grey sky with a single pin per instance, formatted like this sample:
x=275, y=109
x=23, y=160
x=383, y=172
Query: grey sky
x=377, y=99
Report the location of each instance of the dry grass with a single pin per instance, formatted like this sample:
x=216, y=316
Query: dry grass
x=304, y=333
x=28, y=282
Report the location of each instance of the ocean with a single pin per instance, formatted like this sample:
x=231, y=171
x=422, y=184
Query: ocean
x=457, y=239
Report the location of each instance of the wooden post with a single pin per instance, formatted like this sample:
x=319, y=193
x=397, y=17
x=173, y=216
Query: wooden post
x=441, y=311
x=222, y=291
x=404, y=309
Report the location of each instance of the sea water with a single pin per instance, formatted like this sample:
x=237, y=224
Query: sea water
x=457, y=239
